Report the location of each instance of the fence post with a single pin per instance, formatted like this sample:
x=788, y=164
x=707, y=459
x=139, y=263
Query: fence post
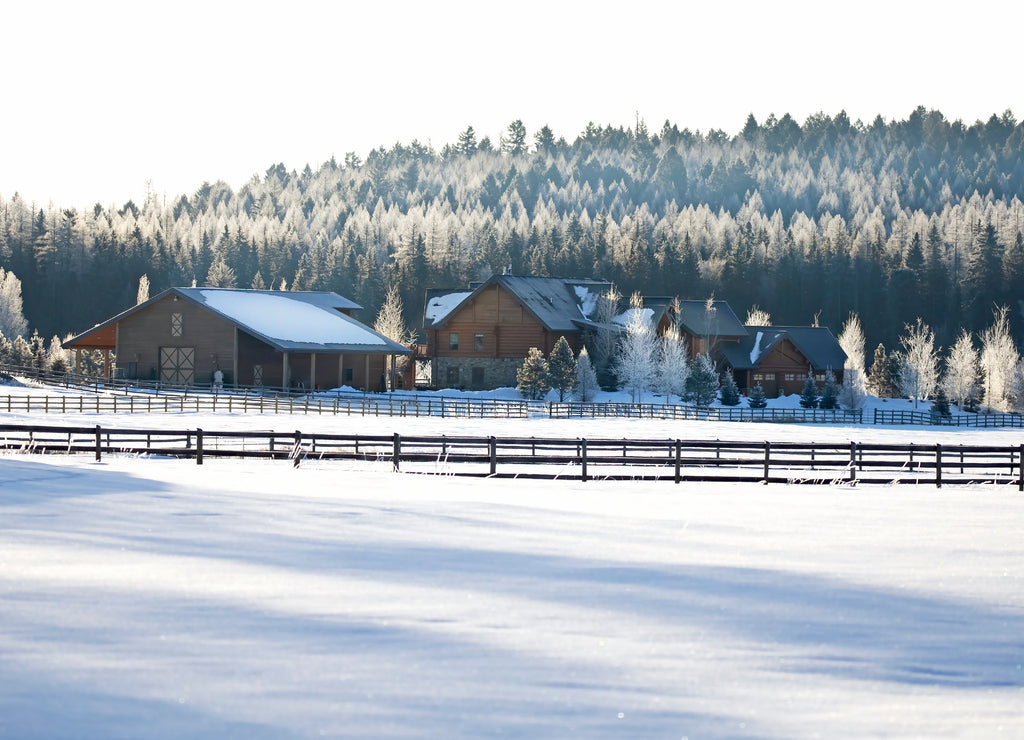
x=938, y=466
x=99, y=443
x=297, y=449
x=767, y=456
x=397, y=452
x=1020, y=467
x=853, y=462
x=199, y=446
x=679, y=453
x=583, y=460
x=492, y=449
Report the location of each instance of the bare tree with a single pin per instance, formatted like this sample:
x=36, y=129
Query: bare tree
x=851, y=339
x=391, y=323
x=757, y=316
x=961, y=379
x=998, y=359
x=919, y=365
x=12, y=318
x=142, y=294
x=635, y=362
x=673, y=365
x=606, y=334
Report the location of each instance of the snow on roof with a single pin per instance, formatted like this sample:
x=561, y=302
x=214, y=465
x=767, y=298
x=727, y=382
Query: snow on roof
x=287, y=320
x=588, y=300
x=755, y=353
x=440, y=306
x=624, y=318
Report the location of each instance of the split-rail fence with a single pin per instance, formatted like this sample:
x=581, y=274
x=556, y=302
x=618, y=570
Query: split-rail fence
x=555, y=458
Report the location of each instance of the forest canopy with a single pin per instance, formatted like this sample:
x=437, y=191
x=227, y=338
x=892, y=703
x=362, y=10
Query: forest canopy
x=894, y=220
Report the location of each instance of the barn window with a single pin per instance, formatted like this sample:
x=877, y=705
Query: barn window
x=478, y=342
x=790, y=376
x=758, y=377
x=177, y=325
x=453, y=342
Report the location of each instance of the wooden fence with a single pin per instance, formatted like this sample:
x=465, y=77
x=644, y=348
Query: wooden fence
x=550, y=458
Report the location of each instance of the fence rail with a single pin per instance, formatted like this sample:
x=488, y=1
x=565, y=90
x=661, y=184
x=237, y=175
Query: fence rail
x=579, y=459
x=102, y=396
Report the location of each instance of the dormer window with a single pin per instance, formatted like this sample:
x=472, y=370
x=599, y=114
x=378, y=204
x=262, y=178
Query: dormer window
x=177, y=325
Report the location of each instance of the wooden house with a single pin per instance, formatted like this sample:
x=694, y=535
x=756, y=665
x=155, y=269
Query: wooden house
x=478, y=338
x=186, y=336
x=780, y=358
x=706, y=326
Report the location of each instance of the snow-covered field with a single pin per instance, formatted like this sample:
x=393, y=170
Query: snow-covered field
x=159, y=599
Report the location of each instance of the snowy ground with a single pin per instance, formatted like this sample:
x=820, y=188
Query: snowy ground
x=160, y=599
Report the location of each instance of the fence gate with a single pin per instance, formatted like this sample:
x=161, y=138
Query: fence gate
x=178, y=365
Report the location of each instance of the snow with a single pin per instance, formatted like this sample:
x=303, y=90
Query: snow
x=588, y=300
x=440, y=306
x=755, y=353
x=282, y=319
x=154, y=598
x=625, y=317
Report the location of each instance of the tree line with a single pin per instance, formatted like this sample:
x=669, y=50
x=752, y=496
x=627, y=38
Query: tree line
x=898, y=220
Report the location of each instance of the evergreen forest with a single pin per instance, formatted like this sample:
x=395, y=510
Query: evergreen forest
x=895, y=220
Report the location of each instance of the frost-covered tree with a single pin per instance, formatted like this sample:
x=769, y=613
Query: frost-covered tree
x=390, y=322
x=142, y=294
x=562, y=368
x=220, y=275
x=852, y=395
x=673, y=364
x=960, y=382
x=635, y=362
x=532, y=377
x=998, y=360
x=605, y=335
x=757, y=316
x=586, y=378
x=702, y=384
x=59, y=358
x=880, y=382
x=851, y=339
x=918, y=372
x=12, y=318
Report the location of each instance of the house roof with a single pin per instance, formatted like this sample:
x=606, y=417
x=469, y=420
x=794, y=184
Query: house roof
x=815, y=343
x=559, y=304
x=695, y=317
x=287, y=321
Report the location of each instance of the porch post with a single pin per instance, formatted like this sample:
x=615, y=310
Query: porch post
x=285, y=370
x=366, y=364
x=78, y=360
x=341, y=369
x=312, y=370
x=106, y=363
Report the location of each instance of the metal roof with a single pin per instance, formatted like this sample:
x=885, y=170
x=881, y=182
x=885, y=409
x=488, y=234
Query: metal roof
x=815, y=343
x=719, y=321
x=335, y=331
x=554, y=302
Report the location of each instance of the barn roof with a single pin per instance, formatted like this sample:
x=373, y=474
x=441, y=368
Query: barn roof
x=559, y=304
x=815, y=343
x=287, y=321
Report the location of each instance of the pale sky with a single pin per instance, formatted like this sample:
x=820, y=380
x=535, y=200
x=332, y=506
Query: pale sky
x=101, y=97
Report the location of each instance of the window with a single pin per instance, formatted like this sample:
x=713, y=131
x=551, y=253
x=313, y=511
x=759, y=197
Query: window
x=790, y=376
x=453, y=377
x=769, y=376
x=177, y=326
x=453, y=342
x=478, y=342
x=819, y=376
x=478, y=378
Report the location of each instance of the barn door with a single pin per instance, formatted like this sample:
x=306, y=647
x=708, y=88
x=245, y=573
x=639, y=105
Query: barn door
x=178, y=365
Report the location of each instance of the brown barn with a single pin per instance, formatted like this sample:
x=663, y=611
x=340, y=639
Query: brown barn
x=779, y=358
x=478, y=338
x=184, y=336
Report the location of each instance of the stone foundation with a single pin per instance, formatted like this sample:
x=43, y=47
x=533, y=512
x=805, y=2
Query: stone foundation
x=475, y=374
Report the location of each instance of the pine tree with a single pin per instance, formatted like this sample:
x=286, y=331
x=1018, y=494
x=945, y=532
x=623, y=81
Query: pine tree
x=940, y=405
x=532, y=377
x=562, y=368
x=702, y=385
x=757, y=398
x=730, y=393
x=809, y=394
x=830, y=392
x=880, y=382
x=586, y=378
